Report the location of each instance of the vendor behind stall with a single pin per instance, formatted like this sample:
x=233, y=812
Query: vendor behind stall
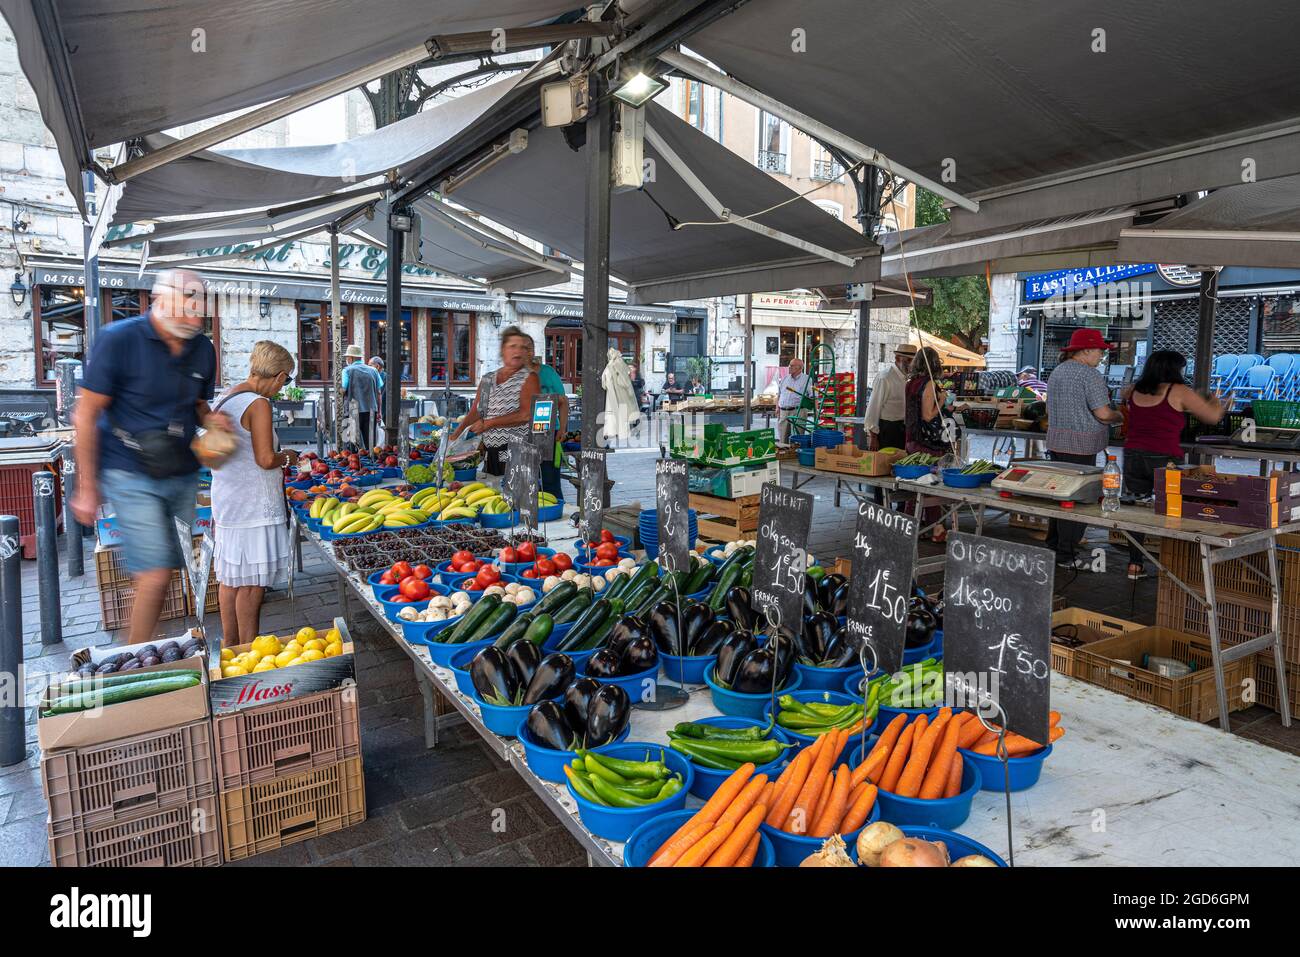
x=1157, y=407
x=1027, y=378
x=503, y=405
x=1079, y=416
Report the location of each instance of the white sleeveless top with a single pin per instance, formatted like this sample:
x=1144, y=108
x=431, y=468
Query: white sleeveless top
x=245, y=495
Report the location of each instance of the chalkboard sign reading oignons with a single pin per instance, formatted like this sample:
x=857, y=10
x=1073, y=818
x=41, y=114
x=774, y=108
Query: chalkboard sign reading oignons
x=670, y=501
x=781, y=560
x=592, y=463
x=522, y=479
x=997, y=625
x=880, y=583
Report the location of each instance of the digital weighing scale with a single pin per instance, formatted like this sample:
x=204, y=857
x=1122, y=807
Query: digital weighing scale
x=1267, y=437
x=1059, y=481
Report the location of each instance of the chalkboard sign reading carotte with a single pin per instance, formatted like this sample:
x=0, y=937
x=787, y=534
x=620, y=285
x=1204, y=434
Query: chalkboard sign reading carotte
x=522, y=479
x=997, y=630
x=880, y=582
x=781, y=560
x=592, y=463
x=670, y=503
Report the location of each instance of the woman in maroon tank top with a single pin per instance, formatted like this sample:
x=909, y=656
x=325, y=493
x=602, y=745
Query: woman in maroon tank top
x=1157, y=407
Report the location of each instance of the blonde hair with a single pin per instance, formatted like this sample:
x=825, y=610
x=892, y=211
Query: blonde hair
x=269, y=359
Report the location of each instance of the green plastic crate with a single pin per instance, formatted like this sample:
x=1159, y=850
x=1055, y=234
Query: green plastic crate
x=736, y=448
x=1277, y=413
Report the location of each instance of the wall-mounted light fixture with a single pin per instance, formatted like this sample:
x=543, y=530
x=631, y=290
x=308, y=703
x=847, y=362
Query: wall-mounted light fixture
x=264, y=307
x=18, y=289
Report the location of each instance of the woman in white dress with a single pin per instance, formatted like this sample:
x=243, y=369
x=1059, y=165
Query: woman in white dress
x=248, y=504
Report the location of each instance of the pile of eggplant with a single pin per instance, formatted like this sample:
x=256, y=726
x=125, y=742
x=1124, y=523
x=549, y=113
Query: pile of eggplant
x=743, y=665
x=924, y=617
x=519, y=675
x=630, y=650
x=695, y=632
x=820, y=641
x=589, y=715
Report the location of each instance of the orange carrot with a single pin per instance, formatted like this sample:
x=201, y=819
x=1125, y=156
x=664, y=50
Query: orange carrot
x=1053, y=718
x=880, y=753
x=703, y=850
x=750, y=852
x=971, y=732
x=953, y=787
x=822, y=798
x=737, y=841
x=1017, y=744
x=936, y=778
x=909, y=783
x=744, y=801
x=686, y=837
x=709, y=813
x=804, y=803
x=897, y=757
x=985, y=738
x=828, y=821
x=801, y=765
x=859, y=808
x=766, y=797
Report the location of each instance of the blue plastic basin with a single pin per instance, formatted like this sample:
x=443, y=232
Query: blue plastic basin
x=639, y=686
x=851, y=752
x=504, y=721
x=708, y=780
x=813, y=678
x=746, y=705
x=459, y=663
x=618, y=823
x=441, y=651
x=947, y=813
x=686, y=669
x=547, y=763
x=650, y=836
x=792, y=849
x=959, y=845
x=1024, y=771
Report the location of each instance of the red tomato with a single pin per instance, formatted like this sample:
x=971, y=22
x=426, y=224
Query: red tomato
x=593, y=545
x=602, y=562
x=400, y=599
x=606, y=535
x=562, y=561
x=607, y=550
x=544, y=567
x=387, y=579
x=400, y=570
x=528, y=573
x=413, y=588
x=472, y=584
x=422, y=571
x=508, y=554
x=468, y=568
x=462, y=556
x=526, y=551
x=488, y=575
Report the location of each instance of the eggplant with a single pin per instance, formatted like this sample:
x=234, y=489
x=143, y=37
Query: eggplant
x=663, y=628
x=493, y=675
x=839, y=603
x=625, y=631
x=754, y=674
x=696, y=616
x=817, y=631
x=733, y=648
x=524, y=660
x=638, y=654
x=577, y=697
x=548, y=726
x=607, y=715
x=787, y=651
x=842, y=650
x=711, y=638
x=811, y=602
x=740, y=608
x=935, y=607
x=604, y=663
x=553, y=674
x=920, y=628
x=826, y=589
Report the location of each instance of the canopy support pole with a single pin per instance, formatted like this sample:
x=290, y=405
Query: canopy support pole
x=748, y=353
x=871, y=187
x=393, y=359
x=334, y=403
x=818, y=130
x=595, y=260
x=1209, y=298
x=93, y=309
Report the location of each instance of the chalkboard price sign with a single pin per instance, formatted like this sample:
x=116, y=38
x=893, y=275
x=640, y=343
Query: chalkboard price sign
x=592, y=462
x=670, y=501
x=522, y=479
x=880, y=583
x=781, y=561
x=997, y=626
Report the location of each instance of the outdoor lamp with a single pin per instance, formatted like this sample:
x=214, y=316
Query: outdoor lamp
x=18, y=289
x=638, y=88
x=264, y=307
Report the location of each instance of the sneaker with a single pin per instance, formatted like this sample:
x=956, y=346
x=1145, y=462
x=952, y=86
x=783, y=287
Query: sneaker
x=1075, y=564
x=1137, y=576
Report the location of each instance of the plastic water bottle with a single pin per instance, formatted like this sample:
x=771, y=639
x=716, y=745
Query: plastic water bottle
x=1111, y=483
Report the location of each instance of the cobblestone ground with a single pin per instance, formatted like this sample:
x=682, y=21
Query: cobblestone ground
x=436, y=807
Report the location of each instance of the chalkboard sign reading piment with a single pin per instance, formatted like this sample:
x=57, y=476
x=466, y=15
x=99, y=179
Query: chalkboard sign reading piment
x=781, y=561
x=521, y=482
x=670, y=501
x=880, y=582
x=593, y=493
x=997, y=620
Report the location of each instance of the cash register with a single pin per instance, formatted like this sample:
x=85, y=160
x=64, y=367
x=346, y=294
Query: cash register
x=1058, y=481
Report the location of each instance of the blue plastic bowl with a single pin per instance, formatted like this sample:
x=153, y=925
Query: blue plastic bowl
x=465, y=475
x=390, y=472
x=746, y=705
x=953, y=478
x=807, y=457
x=687, y=669
x=947, y=813
x=582, y=568
x=792, y=849
x=580, y=658
x=618, y=823
x=714, y=554
x=637, y=686
x=547, y=763
x=440, y=651
x=504, y=721
x=1024, y=770
x=912, y=655
x=801, y=440
x=708, y=780
x=551, y=513
x=813, y=678
x=391, y=608
x=912, y=471
x=459, y=663
x=850, y=754
x=650, y=836
x=302, y=485
x=504, y=520
x=622, y=541
x=958, y=845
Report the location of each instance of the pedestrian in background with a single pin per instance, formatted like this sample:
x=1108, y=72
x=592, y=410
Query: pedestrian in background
x=790, y=393
x=361, y=388
x=923, y=420
x=887, y=409
x=550, y=383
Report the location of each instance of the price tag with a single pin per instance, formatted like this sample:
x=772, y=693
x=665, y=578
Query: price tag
x=781, y=562
x=997, y=627
x=522, y=480
x=592, y=462
x=674, y=525
x=880, y=583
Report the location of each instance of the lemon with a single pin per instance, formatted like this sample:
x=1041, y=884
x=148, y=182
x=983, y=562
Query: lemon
x=227, y=654
x=264, y=645
x=332, y=637
x=312, y=654
x=232, y=671
x=268, y=659
x=296, y=661
x=284, y=658
x=267, y=665
x=295, y=646
x=316, y=644
x=334, y=649
x=304, y=635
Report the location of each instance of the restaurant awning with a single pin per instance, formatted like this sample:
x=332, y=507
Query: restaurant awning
x=951, y=353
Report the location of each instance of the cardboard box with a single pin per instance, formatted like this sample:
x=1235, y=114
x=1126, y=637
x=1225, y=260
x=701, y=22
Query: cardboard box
x=852, y=460
x=108, y=534
x=1202, y=483
x=1251, y=514
x=127, y=718
x=281, y=684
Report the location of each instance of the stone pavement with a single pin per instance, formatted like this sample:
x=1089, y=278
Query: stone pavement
x=438, y=807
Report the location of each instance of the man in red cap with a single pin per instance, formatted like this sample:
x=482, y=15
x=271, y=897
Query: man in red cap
x=1079, y=416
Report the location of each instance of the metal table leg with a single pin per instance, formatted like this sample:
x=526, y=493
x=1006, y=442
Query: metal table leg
x=1279, y=660
x=430, y=712
x=342, y=591
x=1211, y=616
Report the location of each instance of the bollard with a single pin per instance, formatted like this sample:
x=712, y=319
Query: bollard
x=71, y=530
x=47, y=558
x=13, y=704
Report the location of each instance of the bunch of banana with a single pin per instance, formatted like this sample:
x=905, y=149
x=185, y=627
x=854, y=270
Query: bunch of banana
x=546, y=498
x=378, y=496
x=356, y=521
x=496, y=505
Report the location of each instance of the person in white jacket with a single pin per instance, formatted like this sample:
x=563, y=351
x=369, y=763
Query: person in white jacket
x=622, y=410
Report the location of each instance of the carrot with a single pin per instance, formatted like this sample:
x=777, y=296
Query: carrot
x=803, y=805
x=1017, y=744
x=686, y=837
x=909, y=783
x=971, y=732
x=828, y=821
x=750, y=852
x=859, y=808
x=897, y=757
x=953, y=787
x=785, y=800
x=1053, y=718
x=822, y=798
x=709, y=813
x=985, y=738
x=703, y=850
x=936, y=779
x=747, y=798
x=765, y=797
x=733, y=848
x=880, y=753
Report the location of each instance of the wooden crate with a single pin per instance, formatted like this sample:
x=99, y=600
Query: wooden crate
x=725, y=519
x=1036, y=524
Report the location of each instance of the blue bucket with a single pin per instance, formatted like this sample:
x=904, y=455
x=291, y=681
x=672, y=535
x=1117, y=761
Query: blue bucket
x=746, y=705
x=687, y=669
x=813, y=678
x=850, y=754
x=504, y=520
x=504, y=721
x=618, y=823
x=801, y=440
x=459, y=663
x=827, y=438
x=912, y=471
x=958, y=845
x=807, y=457
x=551, y=513
x=792, y=849
x=547, y=763
x=650, y=836
x=714, y=554
x=637, y=686
x=1024, y=771
x=465, y=475
x=708, y=780
x=947, y=813
x=953, y=478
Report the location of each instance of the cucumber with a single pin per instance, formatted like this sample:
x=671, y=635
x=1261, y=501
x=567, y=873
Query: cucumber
x=573, y=608
x=601, y=634
x=68, y=704
x=557, y=596
x=111, y=680
x=587, y=623
x=651, y=598
x=646, y=573
x=495, y=623
x=516, y=629
x=539, y=629
x=459, y=633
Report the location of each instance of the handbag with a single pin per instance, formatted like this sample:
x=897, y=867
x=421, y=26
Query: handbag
x=161, y=453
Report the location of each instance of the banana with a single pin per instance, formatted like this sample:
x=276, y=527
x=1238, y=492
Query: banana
x=420, y=497
x=353, y=523
x=330, y=505
x=316, y=506
x=459, y=511
x=419, y=515
x=398, y=506
x=375, y=496
x=347, y=508
x=479, y=495
x=471, y=487
x=399, y=521
x=546, y=498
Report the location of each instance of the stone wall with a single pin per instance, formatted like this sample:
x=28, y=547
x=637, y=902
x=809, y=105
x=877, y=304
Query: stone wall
x=242, y=325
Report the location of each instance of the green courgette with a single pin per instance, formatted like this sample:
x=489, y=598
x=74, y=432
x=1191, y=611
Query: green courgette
x=728, y=577
x=515, y=629
x=101, y=697
x=557, y=596
x=539, y=629
x=600, y=635
x=587, y=622
x=699, y=578
x=571, y=609
x=470, y=622
x=110, y=680
x=495, y=623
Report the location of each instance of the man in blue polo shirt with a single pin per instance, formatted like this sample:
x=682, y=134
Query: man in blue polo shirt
x=149, y=375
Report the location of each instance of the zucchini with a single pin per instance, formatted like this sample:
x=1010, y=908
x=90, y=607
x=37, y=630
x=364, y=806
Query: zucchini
x=699, y=578
x=539, y=629
x=573, y=608
x=110, y=680
x=729, y=576
x=68, y=704
x=600, y=635
x=557, y=596
x=514, y=630
x=494, y=623
x=616, y=587
x=651, y=598
x=638, y=579
x=587, y=622
x=459, y=633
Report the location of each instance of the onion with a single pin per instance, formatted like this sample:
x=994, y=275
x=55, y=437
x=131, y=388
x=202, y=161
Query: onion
x=973, y=860
x=831, y=854
x=873, y=839
x=914, y=852
x=597, y=583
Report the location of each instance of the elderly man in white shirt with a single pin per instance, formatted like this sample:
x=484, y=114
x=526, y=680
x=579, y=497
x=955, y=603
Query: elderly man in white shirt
x=789, y=396
x=887, y=409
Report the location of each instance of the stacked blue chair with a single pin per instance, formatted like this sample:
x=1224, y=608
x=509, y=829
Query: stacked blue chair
x=1259, y=383
x=1225, y=368
x=1285, y=365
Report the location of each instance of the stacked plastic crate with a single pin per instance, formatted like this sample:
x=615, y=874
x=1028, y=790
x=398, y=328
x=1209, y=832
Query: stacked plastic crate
x=837, y=395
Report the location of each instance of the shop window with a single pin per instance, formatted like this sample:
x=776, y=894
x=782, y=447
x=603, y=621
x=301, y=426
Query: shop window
x=60, y=322
x=564, y=347
x=377, y=340
x=451, y=341
x=315, y=346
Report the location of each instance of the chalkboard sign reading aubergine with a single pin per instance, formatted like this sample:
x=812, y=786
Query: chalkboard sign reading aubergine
x=670, y=504
x=880, y=582
x=523, y=475
x=592, y=463
x=781, y=560
x=997, y=630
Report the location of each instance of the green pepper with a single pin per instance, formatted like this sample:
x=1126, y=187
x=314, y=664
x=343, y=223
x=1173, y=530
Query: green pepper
x=690, y=729
x=671, y=787
x=630, y=769
x=759, y=752
x=611, y=796
x=681, y=745
x=791, y=703
x=646, y=789
x=592, y=766
x=828, y=710
x=580, y=786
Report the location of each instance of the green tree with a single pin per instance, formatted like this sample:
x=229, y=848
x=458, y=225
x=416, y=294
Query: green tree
x=959, y=305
